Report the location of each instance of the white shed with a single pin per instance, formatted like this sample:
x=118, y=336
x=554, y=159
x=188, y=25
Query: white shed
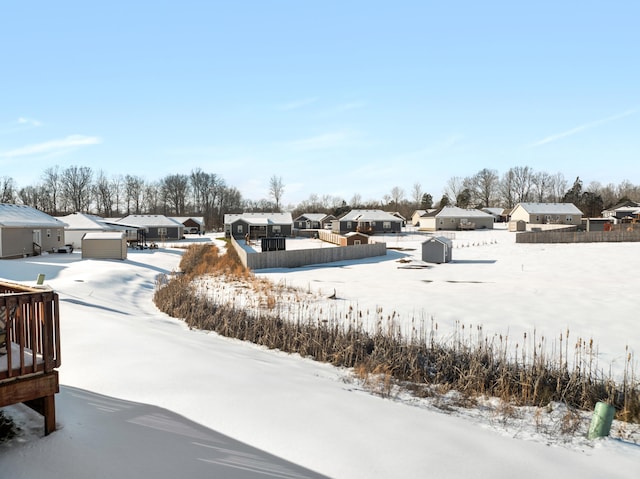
x=104, y=245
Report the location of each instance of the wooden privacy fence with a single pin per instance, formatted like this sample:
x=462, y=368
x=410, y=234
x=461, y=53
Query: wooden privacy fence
x=29, y=348
x=551, y=236
x=303, y=257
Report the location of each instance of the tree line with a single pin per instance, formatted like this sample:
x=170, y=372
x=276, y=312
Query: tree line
x=80, y=189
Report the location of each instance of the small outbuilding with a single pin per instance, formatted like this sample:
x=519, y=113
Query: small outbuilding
x=437, y=249
x=354, y=238
x=104, y=245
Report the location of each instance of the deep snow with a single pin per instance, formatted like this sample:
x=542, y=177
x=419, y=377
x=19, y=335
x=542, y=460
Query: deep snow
x=118, y=347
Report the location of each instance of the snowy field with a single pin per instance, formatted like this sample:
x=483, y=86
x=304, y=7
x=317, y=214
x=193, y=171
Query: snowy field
x=119, y=352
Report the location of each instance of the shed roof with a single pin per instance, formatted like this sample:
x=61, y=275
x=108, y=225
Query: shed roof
x=25, y=216
x=113, y=235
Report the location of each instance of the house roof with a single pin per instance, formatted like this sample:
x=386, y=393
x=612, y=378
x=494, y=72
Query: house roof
x=149, y=220
x=259, y=218
x=455, y=212
x=369, y=215
x=311, y=217
x=549, y=208
x=83, y=221
x=494, y=211
x=182, y=219
x=25, y=216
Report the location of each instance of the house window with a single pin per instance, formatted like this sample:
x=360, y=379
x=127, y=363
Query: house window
x=356, y=242
x=59, y=234
x=349, y=225
x=537, y=219
x=441, y=221
x=239, y=229
x=386, y=225
x=276, y=229
x=373, y=223
x=162, y=232
x=48, y=233
x=569, y=219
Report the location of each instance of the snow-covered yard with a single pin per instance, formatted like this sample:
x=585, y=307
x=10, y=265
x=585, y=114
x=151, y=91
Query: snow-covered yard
x=119, y=352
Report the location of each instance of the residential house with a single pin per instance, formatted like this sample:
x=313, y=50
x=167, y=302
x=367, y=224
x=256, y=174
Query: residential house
x=367, y=222
x=313, y=221
x=258, y=225
x=26, y=231
x=418, y=214
x=192, y=224
x=499, y=214
x=156, y=227
x=621, y=210
x=454, y=218
x=547, y=213
x=79, y=224
x=437, y=249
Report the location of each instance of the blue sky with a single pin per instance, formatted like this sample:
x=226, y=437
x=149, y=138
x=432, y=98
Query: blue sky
x=336, y=97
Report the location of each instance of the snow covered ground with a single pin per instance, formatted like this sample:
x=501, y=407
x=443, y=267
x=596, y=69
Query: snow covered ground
x=130, y=375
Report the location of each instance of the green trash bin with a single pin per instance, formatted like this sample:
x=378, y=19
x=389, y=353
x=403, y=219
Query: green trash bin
x=601, y=420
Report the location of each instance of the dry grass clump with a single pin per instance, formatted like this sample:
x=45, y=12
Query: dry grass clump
x=385, y=359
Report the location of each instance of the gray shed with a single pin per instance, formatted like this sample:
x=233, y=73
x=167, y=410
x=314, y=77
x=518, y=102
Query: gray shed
x=104, y=245
x=437, y=250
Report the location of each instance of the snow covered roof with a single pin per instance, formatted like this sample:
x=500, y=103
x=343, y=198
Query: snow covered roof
x=455, y=212
x=150, y=220
x=83, y=221
x=312, y=216
x=25, y=216
x=182, y=219
x=550, y=208
x=104, y=235
x=259, y=218
x=369, y=215
x=439, y=239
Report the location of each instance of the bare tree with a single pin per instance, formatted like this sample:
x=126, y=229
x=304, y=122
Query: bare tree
x=76, y=187
x=416, y=194
x=558, y=187
x=541, y=183
x=175, y=189
x=397, y=195
x=53, y=188
x=103, y=195
x=134, y=192
x=523, y=181
x=356, y=200
x=454, y=186
x=507, y=189
x=7, y=190
x=276, y=189
x=484, y=187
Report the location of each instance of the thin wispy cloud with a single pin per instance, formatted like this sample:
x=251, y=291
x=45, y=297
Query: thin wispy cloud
x=54, y=146
x=321, y=142
x=295, y=105
x=29, y=122
x=578, y=129
x=19, y=125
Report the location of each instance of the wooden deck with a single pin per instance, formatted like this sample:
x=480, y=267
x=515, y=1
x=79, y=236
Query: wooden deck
x=29, y=349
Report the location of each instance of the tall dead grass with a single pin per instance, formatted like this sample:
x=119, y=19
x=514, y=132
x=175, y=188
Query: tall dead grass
x=468, y=362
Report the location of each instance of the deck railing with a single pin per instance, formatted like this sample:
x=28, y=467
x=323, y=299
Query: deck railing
x=29, y=329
